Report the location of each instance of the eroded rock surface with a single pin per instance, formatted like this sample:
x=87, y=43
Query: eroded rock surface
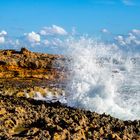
x=24, y=74
x=26, y=64
x=22, y=118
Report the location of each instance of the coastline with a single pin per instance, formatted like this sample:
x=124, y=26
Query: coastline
x=21, y=117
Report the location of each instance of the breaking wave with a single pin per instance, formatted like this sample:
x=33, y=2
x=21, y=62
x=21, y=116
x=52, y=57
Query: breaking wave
x=104, y=78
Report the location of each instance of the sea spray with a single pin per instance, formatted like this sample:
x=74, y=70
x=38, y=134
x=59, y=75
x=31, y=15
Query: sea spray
x=104, y=78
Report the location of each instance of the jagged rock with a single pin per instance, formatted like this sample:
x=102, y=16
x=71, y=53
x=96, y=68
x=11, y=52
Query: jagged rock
x=24, y=51
x=28, y=71
x=23, y=75
x=30, y=119
x=27, y=64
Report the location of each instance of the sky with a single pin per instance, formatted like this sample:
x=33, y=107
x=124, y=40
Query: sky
x=23, y=17
x=87, y=16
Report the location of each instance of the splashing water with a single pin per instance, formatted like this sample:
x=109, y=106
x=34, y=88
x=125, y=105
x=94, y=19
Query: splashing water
x=104, y=79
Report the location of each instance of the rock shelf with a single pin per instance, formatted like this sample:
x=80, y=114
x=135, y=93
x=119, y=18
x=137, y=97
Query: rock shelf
x=25, y=73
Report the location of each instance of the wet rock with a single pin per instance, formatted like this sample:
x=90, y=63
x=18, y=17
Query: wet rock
x=36, y=75
x=27, y=118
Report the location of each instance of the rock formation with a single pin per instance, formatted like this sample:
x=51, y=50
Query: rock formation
x=22, y=75
x=24, y=72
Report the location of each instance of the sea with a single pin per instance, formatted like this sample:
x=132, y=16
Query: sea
x=104, y=76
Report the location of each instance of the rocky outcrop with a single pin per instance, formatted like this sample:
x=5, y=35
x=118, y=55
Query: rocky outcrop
x=22, y=118
x=26, y=64
x=24, y=74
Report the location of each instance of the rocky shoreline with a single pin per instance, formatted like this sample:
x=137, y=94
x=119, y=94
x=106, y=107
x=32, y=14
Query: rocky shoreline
x=24, y=75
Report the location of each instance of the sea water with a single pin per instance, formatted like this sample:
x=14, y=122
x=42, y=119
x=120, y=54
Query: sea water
x=104, y=78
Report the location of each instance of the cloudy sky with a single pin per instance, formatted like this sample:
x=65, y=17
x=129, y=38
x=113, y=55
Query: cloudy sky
x=38, y=21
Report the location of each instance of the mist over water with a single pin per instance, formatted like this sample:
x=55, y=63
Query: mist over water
x=104, y=78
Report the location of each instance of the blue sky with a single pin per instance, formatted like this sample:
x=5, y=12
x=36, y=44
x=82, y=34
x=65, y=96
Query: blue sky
x=87, y=16
x=47, y=22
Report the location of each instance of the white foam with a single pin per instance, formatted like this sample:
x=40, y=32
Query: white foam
x=50, y=97
x=104, y=79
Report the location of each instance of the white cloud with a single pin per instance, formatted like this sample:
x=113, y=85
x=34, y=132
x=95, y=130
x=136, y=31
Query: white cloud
x=54, y=30
x=120, y=40
x=14, y=42
x=46, y=42
x=3, y=33
x=17, y=42
x=104, y=31
x=128, y=2
x=73, y=31
x=2, y=40
x=56, y=42
x=132, y=39
x=136, y=32
x=43, y=32
x=2, y=36
x=33, y=37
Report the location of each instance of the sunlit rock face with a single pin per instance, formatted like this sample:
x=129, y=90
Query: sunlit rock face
x=30, y=74
x=44, y=78
x=26, y=64
x=31, y=119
